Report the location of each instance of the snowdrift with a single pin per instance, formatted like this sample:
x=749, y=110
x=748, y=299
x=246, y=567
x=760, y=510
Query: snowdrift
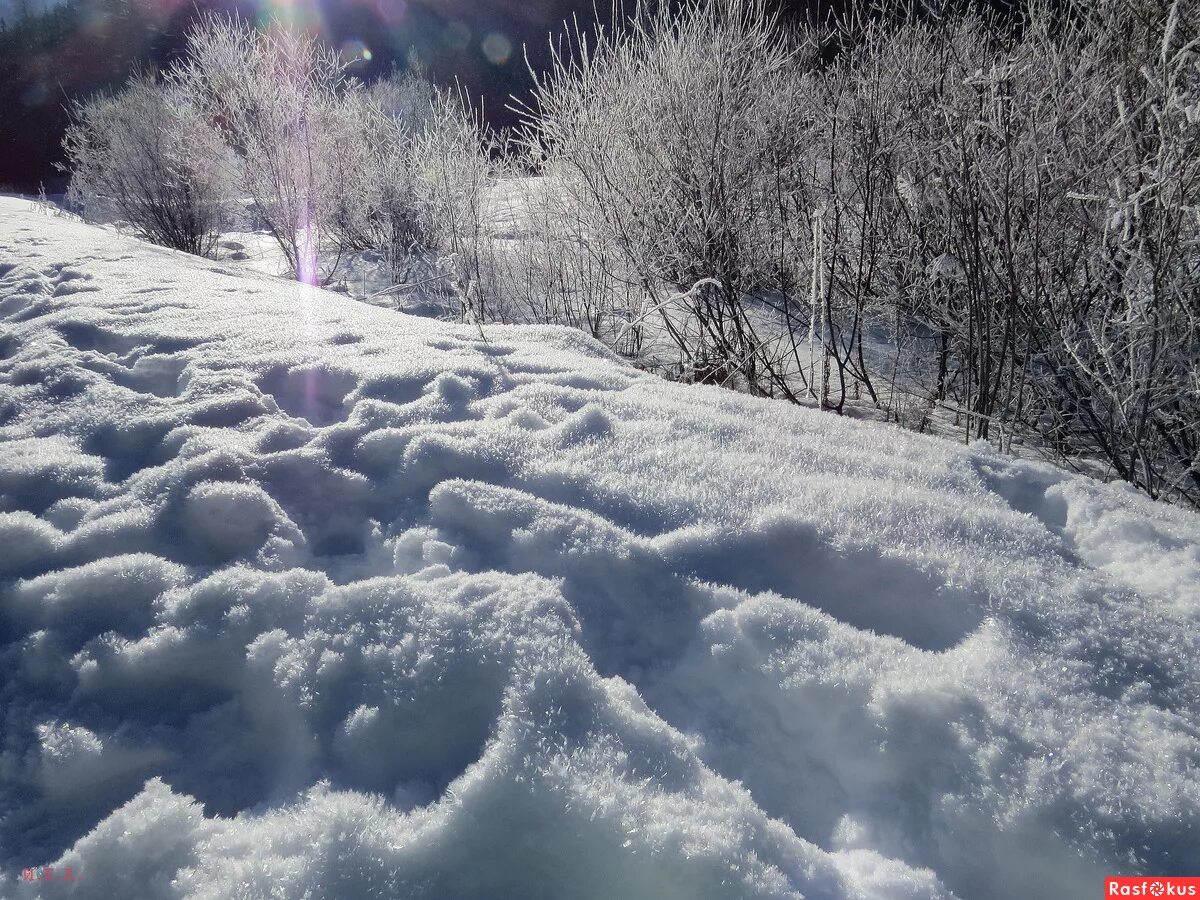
x=305, y=598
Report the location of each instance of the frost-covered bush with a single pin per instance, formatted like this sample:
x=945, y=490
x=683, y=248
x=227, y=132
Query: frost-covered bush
x=382, y=210
x=452, y=158
x=336, y=167
x=678, y=140
x=148, y=156
x=1127, y=330
x=989, y=220
x=1022, y=201
x=279, y=97
x=553, y=273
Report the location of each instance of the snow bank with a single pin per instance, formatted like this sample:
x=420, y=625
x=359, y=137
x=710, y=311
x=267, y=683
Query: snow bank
x=305, y=598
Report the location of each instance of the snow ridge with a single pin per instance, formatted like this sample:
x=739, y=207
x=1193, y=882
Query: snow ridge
x=304, y=598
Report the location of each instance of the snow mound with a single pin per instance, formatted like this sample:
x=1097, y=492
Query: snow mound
x=305, y=598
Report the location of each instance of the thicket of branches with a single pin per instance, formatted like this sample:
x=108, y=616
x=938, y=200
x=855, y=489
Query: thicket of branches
x=951, y=216
x=983, y=223
x=330, y=166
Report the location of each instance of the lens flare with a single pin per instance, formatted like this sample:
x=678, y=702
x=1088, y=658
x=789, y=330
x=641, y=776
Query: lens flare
x=353, y=51
x=497, y=48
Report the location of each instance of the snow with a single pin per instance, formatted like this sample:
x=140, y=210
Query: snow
x=301, y=597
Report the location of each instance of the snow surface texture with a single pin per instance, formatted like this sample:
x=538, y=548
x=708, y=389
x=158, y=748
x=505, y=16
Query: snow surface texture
x=301, y=597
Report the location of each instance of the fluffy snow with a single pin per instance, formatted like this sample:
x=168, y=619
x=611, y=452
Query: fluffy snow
x=301, y=597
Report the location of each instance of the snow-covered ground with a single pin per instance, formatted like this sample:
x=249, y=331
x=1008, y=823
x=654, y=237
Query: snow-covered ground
x=300, y=597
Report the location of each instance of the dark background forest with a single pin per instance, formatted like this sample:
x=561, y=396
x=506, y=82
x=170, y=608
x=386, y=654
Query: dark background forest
x=53, y=54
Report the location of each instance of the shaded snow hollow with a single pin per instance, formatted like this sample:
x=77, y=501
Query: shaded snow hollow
x=305, y=598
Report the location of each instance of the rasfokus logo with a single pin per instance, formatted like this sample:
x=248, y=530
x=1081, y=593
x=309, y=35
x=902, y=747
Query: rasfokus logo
x=1151, y=886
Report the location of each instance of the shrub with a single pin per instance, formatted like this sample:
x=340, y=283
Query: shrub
x=677, y=138
x=149, y=155
x=277, y=96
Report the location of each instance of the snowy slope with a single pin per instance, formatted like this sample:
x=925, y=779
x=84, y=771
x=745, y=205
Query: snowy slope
x=305, y=598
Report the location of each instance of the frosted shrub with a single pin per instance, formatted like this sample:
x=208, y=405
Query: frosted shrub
x=278, y=96
x=454, y=175
x=1128, y=332
x=1020, y=204
x=551, y=273
x=383, y=211
x=147, y=155
x=988, y=219
x=675, y=133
